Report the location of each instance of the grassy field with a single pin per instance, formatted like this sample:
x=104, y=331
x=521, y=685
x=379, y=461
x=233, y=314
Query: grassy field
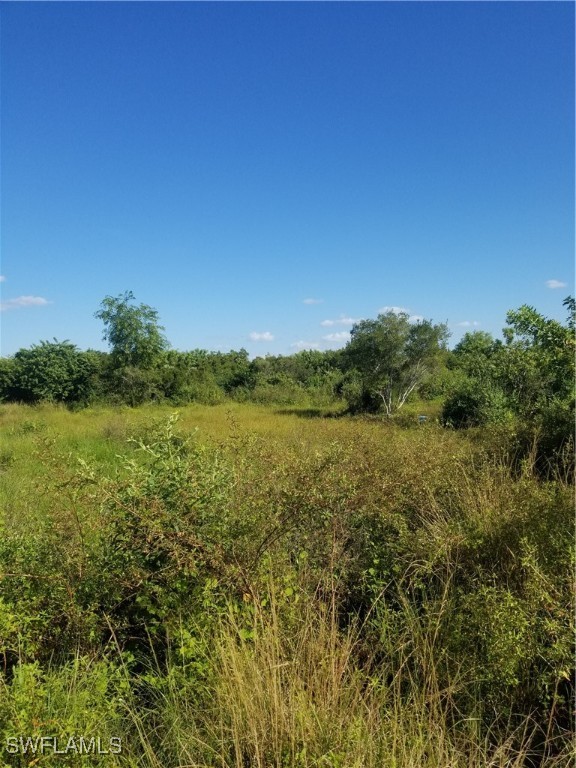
x=241, y=585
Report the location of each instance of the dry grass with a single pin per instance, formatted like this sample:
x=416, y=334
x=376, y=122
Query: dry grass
x=300, y=699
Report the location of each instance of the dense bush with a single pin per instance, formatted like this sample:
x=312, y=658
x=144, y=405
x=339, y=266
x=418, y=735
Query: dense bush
x=131, y=385
x=357, y=396
x=435, y=584
x=474, y=403
x=528, y=380
x=54, y=372
x=340, y=592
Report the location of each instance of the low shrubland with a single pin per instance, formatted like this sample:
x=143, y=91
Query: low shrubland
x=234, y=585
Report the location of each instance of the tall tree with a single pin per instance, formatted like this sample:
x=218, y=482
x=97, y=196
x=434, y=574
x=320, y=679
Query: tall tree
x=133, y=332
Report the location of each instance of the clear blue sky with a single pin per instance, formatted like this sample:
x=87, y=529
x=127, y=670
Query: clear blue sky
x=264, y=173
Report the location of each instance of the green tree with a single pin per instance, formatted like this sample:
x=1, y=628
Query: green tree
x=475, y=354
x=475, y=396
x=394, y=356
x=7, y=374
x=537, y=363
x=133, y=332
x=475, y=402
x=53, y=372
x=527, y=381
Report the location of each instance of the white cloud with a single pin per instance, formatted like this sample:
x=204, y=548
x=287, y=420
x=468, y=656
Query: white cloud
x=340, y=336
x=2, y=279
x=401, y=311
x=23, y=301
x=396, y=310
x=555, y=284
x=312, y=301
x=264, y=336
x=342, y=320
x=305, y=345
x=468, y=323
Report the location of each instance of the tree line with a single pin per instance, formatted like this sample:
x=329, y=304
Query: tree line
x=525, y=378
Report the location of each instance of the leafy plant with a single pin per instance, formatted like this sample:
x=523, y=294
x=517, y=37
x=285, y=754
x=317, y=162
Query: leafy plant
x=134, y=333
x=394, y=355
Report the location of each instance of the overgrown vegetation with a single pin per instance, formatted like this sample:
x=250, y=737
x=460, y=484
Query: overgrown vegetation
x=274, y=581
x=280, y=590
x=522, y=384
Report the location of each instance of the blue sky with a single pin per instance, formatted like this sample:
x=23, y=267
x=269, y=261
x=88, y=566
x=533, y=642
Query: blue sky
x=264, y=174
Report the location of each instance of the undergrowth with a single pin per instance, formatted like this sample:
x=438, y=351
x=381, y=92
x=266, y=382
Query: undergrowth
x=280, y=590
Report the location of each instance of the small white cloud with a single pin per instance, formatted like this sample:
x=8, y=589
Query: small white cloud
x=342, y=320
x=555, y=284
x=312, y=301
x=468, y=324
x=264, y=336
x=401, y=311
x=23, y=301
x=396, y=310
x=340, y=336
x=2, y=279
x=305, y=345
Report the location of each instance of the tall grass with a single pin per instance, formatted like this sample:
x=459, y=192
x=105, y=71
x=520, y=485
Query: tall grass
x=257, y=588
x=303, y=698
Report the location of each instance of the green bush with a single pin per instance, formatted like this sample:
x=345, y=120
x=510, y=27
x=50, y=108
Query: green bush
x=475, y=403
x=7, y=377
x=556, y=436
x=132, y=386
x=166, y=524
x=278, y=389
x=55, y=372
x=83, y=699
x=353, y=390
x=206, y=392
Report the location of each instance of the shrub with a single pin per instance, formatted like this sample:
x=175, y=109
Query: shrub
x=133, y=386
x=7, y=376
x=475, y=404
x=52, y=372
x=355, y=393
x=166, y=516
x=278, y=389
x=83, y=699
